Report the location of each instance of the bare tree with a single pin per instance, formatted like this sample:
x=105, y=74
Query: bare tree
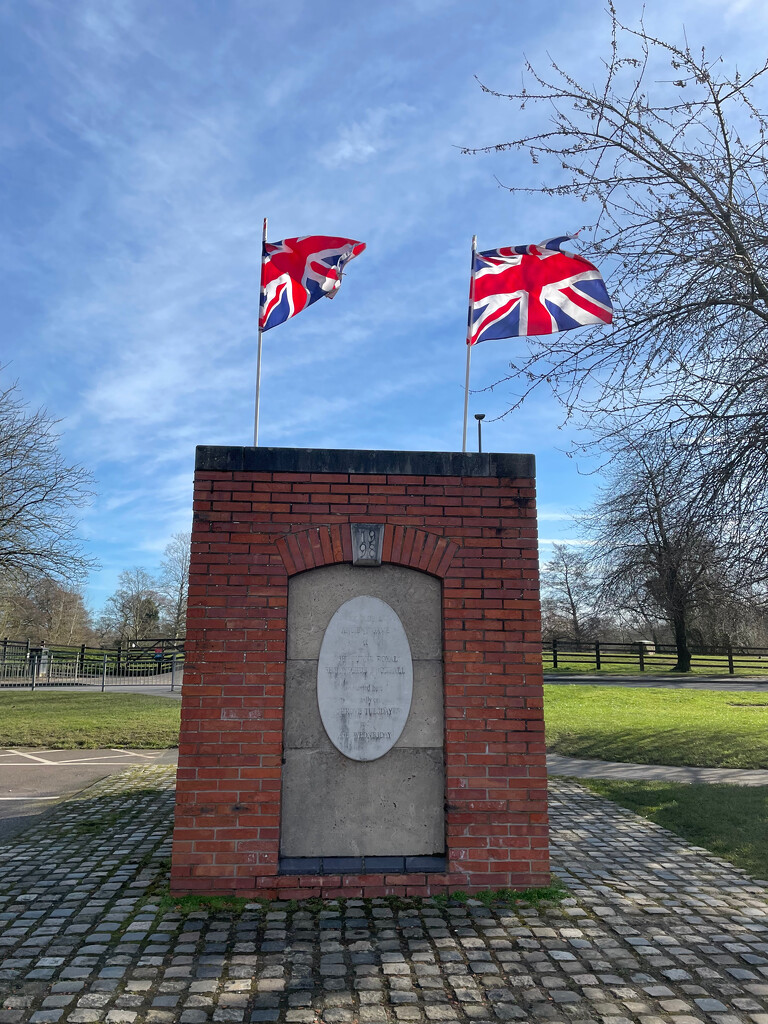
x=39, y=493
x=669, y=151
x=43, y=609
x=567, y=581
x=174, y=582
x=133, y=612
x=656, y=551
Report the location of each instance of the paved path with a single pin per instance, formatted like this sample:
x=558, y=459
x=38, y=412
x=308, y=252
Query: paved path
x=159, y=686
x=32, y=780
x=759, y=683
x=583, y=768
x=655, y=931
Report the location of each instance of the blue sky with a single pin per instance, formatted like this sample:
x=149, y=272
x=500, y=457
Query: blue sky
x=144, y=142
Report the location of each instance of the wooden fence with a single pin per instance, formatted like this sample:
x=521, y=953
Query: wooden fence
x=643, y=656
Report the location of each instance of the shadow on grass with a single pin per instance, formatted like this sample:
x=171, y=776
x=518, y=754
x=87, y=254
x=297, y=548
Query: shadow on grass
x=698, y=747
x=730, y=821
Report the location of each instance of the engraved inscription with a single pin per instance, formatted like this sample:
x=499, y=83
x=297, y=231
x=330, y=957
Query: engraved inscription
x=367, y=540
x=364, y=678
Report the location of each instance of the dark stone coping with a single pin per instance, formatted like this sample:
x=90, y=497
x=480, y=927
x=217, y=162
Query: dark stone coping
x=343, y=460
x=359, y=865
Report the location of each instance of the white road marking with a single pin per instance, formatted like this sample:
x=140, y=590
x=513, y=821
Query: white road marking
x=30, y=798
x=40, y=760
x=131, y=753
x=85, y=762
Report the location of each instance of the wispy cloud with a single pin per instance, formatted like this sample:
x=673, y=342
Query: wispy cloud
x=143, y=145
x=360, y=141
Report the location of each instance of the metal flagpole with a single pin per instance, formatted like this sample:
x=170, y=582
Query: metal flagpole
x=258, y=350
x=469, y=347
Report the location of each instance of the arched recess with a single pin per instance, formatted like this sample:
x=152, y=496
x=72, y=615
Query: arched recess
x=335, y=807
x=403, y=545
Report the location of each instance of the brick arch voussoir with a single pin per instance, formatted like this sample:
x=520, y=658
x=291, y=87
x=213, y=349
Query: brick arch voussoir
x=403, y=545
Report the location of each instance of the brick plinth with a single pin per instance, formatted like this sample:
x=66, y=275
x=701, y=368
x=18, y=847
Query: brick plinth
x=263, y=515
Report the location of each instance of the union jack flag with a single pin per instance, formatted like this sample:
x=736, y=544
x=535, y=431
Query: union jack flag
x=298, y=271
x=521, y=290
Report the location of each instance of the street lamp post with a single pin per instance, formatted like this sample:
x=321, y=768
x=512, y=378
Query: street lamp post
x=480, y=416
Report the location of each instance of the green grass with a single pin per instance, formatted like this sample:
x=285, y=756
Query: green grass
x=655, y=664
x=702, y=728
x=66, y=721
x=186, y=905
x=544, y=895
x=731, y=821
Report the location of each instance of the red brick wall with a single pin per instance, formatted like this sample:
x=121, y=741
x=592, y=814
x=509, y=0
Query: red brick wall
x=253, y=529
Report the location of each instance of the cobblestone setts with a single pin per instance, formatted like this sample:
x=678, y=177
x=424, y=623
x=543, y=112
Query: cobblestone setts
x=655, y=931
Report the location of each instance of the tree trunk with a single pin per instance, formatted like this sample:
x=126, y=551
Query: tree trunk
x=681, y=643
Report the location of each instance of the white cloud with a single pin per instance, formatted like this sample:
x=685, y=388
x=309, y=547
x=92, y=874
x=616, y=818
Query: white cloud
x=361, y=140
x=152, y=140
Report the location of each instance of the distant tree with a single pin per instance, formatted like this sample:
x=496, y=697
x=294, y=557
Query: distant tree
x=729, y=619
x=44, y=610
x=568, y=585
x=668, y=149
x=133, y=612
x=657, y=553
x=174, y=583
x=39, y=495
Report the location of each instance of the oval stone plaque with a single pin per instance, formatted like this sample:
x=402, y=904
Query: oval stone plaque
x=364, y=678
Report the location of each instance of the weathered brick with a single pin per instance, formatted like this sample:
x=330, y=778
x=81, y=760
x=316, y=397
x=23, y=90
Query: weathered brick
x=252, y=531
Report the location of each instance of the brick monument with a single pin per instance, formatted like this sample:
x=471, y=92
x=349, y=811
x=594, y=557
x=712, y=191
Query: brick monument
x=362, y=699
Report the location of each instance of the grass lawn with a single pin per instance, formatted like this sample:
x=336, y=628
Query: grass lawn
x=731, y=821
x=65, y=721
x=655, y=665
x=703, y=728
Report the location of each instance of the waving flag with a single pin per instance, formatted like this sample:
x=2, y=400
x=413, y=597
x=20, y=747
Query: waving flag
x=298, y=271
x=521, y=290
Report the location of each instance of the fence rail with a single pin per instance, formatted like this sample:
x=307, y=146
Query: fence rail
x=649, y=657
x=24, y=665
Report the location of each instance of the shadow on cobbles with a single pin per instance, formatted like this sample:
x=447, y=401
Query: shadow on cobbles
x=654, y=930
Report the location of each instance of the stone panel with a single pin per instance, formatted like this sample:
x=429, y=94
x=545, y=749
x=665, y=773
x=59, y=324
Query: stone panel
x=315, y=597
x=335, y=807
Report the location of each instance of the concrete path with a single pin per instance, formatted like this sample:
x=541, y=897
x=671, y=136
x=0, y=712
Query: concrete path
x=582, y=768
x=32, y=781
x=159, y=686
x=654, y=931
x=759, y=683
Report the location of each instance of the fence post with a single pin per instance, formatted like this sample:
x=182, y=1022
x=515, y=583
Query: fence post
x=730, y=660
x=597, y=655
x=641, y=656
x=33, y=666
x=173, y=671
x=103, y=673
x=5, y=648
x=119, y=651
x=554, y=653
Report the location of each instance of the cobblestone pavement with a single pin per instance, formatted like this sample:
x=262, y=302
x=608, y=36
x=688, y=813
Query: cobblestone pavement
x=654, y=931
